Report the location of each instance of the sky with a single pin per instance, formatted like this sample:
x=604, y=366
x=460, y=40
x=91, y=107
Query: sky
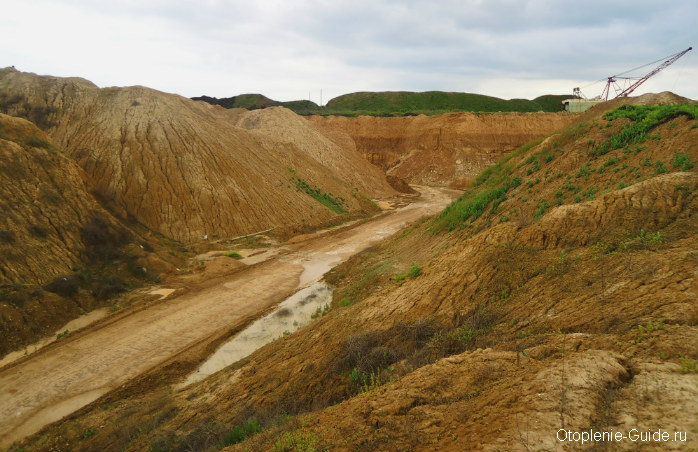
x=320, y=49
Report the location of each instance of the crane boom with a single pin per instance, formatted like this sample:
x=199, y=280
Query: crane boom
x=626, y=91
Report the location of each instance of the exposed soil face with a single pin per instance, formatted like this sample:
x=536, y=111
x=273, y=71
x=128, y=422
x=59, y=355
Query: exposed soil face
x=42, y=388
x=443, y=150
x=50, y=227
x=191, y=170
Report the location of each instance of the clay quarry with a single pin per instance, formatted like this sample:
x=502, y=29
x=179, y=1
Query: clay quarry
x=180, y=276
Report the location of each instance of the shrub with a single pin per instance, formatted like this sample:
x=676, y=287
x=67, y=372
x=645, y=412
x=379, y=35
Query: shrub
x=102, y=241
x=414, y=271
x=108, y=286
x=659, y=167
x=65, y=286
x=242, y=432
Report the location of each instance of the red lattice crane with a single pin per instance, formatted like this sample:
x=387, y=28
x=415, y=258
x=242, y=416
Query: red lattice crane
x=630, y=84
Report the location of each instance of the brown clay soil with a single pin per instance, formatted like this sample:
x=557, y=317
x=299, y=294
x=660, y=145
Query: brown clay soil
x=444, y=150
x=83, y=366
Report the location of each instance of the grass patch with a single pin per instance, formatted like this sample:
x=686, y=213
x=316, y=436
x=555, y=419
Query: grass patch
x=233, y=254
x=335, y=204
x=644, y=118
x=242, y=432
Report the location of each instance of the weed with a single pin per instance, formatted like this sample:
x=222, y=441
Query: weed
x=643, y=240
x=62, y=335
x=542, y=207
x=242, y=432
x=296, y=441
x=659, y=167
x=414, y=271
x=682, y=161
x=321, y=311
x=689, y=365
x=88, y=432
x=582, y=172
x=649, y=327
x=233, y=254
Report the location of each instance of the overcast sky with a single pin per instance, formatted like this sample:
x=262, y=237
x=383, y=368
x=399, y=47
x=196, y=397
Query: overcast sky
x=292, y=49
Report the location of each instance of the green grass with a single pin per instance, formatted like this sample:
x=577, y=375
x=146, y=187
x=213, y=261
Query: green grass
x=326, y=199
x=233, y=254
x=644, y=118
x=490, y=189
x=242, y=432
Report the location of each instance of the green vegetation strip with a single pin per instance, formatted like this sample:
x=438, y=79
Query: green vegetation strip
x=326, y=199
x=399, y=103
x=644, y=118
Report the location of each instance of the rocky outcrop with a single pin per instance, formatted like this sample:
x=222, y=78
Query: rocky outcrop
x=442, y=150
x=188, y=169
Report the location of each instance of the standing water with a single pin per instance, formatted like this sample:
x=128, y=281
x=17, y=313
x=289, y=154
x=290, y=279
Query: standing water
x=293, y=313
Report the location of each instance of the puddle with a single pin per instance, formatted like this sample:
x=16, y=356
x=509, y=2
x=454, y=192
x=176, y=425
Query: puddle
x=71, y=326
x=162, y=292
x=316, y=267
x=293, y=313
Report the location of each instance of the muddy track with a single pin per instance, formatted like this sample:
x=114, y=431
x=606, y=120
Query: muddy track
x=72, y=373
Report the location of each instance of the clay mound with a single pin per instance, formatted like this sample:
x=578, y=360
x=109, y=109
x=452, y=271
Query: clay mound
x=45, y=204
x=185, y=168
x=278, y=125
x=444, y=150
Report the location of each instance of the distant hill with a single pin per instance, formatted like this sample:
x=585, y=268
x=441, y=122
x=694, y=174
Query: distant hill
x=396, y=103
x=258, y=101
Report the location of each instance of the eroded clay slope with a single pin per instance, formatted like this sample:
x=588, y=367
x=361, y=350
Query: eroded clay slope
x=45, y=203
x=53, y=233
x=186, y=169
x=442, y=150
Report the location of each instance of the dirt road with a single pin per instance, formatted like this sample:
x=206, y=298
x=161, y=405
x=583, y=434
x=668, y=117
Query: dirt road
x=80, y=368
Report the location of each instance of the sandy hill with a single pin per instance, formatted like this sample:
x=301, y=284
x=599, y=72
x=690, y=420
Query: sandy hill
x=188, y=169
x=558, y=293
x=449, y=149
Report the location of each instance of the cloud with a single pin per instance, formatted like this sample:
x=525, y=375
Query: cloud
x=286, y=49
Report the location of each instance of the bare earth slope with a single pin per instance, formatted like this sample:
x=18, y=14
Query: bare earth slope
x=50, y=226
x=186, y=169
x=449, y=149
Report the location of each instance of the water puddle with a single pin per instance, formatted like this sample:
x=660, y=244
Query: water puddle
x=71, y=326
x=164, y=292
x=293, y=313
